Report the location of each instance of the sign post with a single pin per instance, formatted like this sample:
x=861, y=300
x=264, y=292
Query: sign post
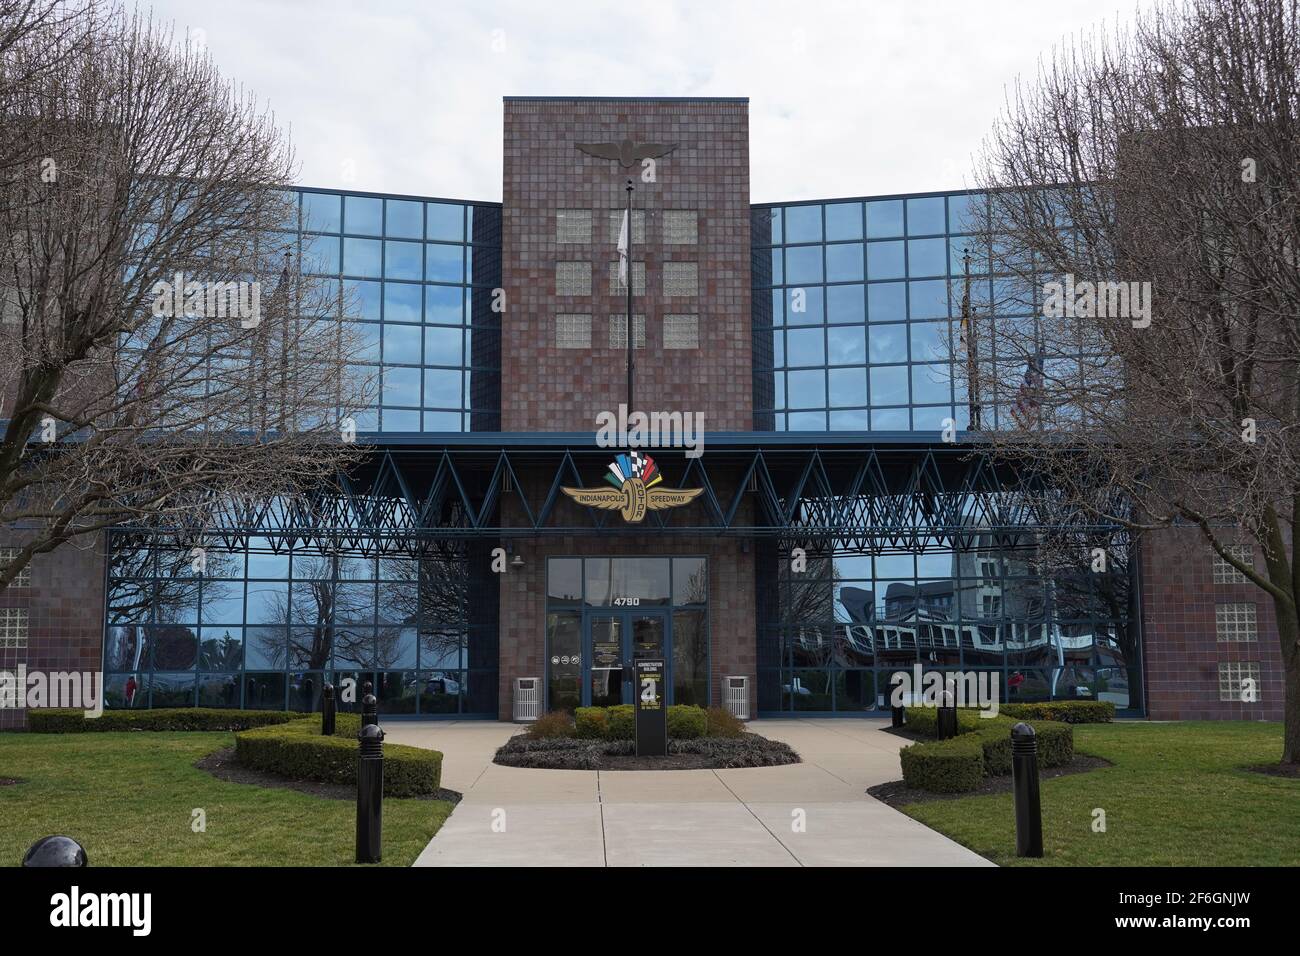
x=651, y=712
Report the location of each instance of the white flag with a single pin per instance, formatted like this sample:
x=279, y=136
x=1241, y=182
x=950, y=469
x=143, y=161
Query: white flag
x=622, y=251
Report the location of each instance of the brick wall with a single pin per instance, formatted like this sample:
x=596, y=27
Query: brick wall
x=549, y=389
x=65, y=606
x=1180, y=641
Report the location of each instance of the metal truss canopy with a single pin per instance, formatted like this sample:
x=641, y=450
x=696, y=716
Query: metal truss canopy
x=417, y=496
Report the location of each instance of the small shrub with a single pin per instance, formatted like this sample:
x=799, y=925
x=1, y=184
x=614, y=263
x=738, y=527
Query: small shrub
x=993, y=735
x=720, y=722
x=686, y=722
x=557, y=723
x=64, y=721
x=622, y=722
x=944, y=766
x=298, y=751
x=592, y=723
x=1064, y=711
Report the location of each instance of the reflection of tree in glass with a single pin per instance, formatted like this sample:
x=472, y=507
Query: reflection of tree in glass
x=432, y=594
x=319, y=605
x=169, y=586
x=224, y=653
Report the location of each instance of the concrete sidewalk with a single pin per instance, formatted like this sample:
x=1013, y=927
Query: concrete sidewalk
x=810, y=814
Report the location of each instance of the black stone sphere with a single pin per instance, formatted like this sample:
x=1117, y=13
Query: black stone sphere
x=55, y=851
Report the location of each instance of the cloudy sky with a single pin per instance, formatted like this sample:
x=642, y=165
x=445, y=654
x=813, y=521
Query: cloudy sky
x=846, y=98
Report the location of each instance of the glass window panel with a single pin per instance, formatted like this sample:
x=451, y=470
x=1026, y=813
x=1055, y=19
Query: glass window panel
x=889, y=385
x=401, y=385
x=844, y=262
x=891, y=420
x=363, y=216
x=848, y=387
x=175, y=646
x=886, y=302
x=223, y=602
x=263, y=565
x=442, y=422
x=402, y=302
x=405, y=219
x=268, y=603
x=367, y=339
x=564, y=580
x=442, y=346
x=320, y=254
x=806, y=421
x=401, y=344
x=441, y=388
x=402, y=260
x=690, y=659
x=805, y=306
x=805, y=347
x=927, y=257
x=219, y=690
x=267, y=648
x=362, y=257
x=445, y=221
x=843, y=220
x=443, y=305
x=778, y=270
x=807, y=389
x=929, y=300
x=884, y=218
x=321, y=212
x=926, y=216
x=888, y=343
x=961, y=213
x=846, y=345
x=852, y=420
x=803, y=264
x=803, y=224
x=931, y=384
x=690, y=581
x=778, y=348
x=845, y=303
x=885, y=260
x=444, y=263
x=361, y=300
x=564, y=660
x=929, y=340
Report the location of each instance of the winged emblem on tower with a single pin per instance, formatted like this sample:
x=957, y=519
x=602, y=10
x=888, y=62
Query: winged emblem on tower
x=635, y=479
x=627, y=152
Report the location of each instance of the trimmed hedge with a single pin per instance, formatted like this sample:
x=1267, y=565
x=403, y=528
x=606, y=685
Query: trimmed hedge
x=948, y=774
x=685, y=722
x=1065, y=711
x=64, y=721
x=298, y=750
x=944, y=766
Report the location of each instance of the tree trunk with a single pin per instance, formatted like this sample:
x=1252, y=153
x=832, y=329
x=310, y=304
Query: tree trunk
x=1288, y=632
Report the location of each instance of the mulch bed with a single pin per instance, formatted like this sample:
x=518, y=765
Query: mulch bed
x=1278, y=770
x=221, y=764
x=897, y=794
x=708, y=753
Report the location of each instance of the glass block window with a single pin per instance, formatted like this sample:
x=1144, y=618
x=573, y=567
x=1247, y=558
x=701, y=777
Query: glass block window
x=573, y=226
x=681, y=331
x=681, y=227
x=1236, y=678
x=573, y=278
x=13, y=628
x=1225, y=573
x=24, y=579
x=681, y=278
x=573, y=331
x=638, y=279
x=616, y=226
x=1235, y=622
x=618, y=331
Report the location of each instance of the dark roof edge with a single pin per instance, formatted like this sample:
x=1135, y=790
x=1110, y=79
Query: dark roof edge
x=629, y=99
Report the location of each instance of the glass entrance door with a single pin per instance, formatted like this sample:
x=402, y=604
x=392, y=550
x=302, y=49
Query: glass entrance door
x=614, y=639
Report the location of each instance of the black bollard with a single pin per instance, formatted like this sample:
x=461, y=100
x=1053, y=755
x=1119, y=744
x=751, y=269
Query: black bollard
x=1024, y=775
x=946, y=719
x=369, y=710
x=898, y=716
x=55, y=851
x=370, y=794
x=328, y=710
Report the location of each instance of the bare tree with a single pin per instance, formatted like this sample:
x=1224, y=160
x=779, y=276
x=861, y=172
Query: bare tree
x=161, y=355
x=1137, y=349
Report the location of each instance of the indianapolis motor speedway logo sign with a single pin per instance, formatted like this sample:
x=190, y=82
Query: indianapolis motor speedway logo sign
x=636, y=479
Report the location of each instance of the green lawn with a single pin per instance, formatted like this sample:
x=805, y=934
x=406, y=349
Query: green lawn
x=1177, y=795
x=128, y=798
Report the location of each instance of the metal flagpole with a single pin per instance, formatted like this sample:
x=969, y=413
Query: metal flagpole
x=630, y=362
